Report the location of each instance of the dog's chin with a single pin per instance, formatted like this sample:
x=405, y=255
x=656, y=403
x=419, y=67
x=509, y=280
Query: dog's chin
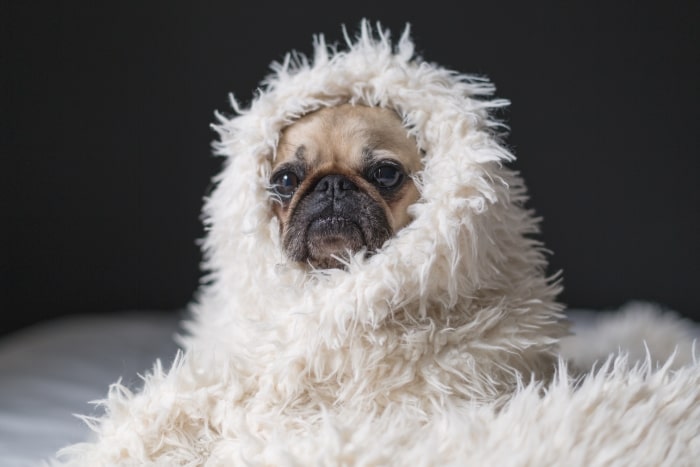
x=331, y=240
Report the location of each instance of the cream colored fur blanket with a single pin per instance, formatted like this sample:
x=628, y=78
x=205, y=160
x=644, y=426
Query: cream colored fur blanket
x=442, y=349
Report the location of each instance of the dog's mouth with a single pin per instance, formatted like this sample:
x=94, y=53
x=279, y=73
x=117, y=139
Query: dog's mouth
x=332, y=237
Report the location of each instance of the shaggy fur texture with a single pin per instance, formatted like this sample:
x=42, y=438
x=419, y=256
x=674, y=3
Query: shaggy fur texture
x=437, y=350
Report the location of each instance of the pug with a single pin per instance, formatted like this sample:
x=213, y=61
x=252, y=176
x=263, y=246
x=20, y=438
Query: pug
x=342, y=181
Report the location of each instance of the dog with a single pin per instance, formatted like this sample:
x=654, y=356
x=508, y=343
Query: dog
x=342, y=182
x=365, y=362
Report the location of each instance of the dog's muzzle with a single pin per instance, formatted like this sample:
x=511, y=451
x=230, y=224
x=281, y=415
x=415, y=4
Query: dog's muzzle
x=333, y=218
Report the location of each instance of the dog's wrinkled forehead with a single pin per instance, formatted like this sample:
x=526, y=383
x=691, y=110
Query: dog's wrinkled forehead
x=346, y=136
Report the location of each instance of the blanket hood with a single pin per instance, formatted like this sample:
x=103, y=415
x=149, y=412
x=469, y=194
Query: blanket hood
x=462, y=288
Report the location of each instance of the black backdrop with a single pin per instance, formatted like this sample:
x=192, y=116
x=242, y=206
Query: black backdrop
x=105, y=136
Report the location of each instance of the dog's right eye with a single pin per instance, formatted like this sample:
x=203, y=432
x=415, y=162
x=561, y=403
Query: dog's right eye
x=387, y=176
x=285, y=183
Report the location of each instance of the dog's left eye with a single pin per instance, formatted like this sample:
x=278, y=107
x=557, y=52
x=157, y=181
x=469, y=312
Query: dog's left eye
x=285, y=183
x=387, y=176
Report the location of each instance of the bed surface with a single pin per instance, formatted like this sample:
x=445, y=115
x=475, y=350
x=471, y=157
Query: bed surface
x=51, y=370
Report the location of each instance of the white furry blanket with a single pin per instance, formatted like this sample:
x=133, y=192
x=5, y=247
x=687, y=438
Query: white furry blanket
x=441, y=349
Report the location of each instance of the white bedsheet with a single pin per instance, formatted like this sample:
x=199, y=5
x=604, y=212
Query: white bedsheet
x=50, y=371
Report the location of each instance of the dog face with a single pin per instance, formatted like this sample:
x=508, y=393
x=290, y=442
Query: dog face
x=342, y=182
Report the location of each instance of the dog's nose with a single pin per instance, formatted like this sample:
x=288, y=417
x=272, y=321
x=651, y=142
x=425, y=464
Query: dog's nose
x=335, y=184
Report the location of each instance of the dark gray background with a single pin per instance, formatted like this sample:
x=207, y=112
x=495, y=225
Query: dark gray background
x=105, y=136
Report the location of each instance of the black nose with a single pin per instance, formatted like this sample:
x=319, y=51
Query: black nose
x=335, y=185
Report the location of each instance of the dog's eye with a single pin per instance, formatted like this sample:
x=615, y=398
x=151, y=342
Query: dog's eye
x=285, y=183
x=387, y=176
